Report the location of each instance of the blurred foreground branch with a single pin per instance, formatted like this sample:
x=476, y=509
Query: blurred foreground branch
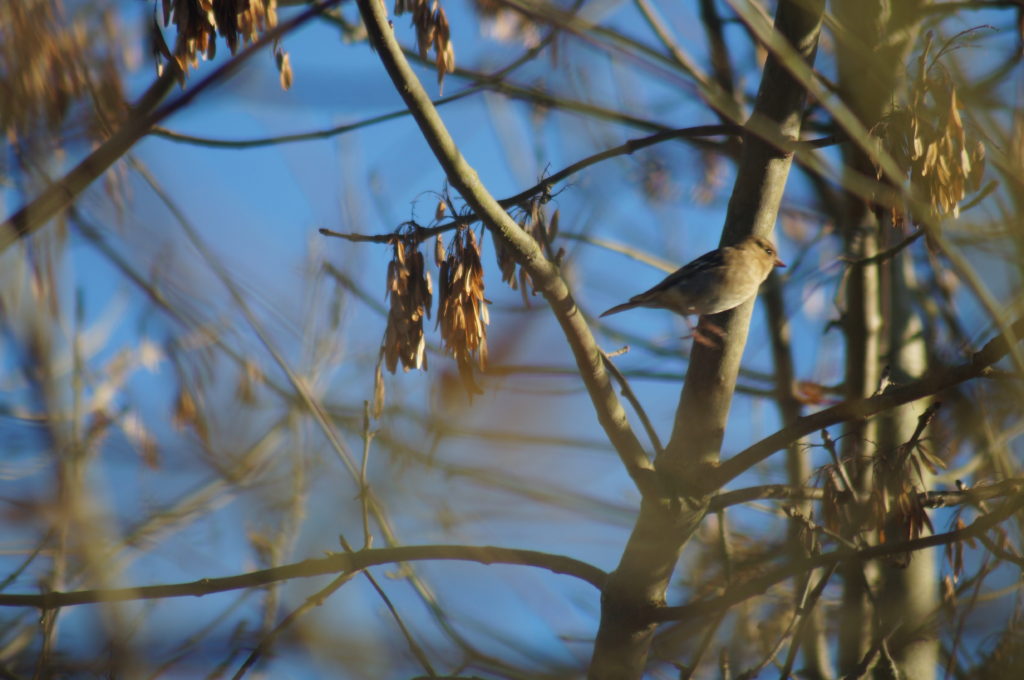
x=140, y=120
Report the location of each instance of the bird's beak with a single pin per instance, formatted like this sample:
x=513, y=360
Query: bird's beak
x=779, y=263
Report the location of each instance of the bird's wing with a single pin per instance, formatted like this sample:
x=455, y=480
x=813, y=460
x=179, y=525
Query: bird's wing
x=710, y=260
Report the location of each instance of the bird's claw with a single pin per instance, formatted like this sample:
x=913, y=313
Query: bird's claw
x=703, y=333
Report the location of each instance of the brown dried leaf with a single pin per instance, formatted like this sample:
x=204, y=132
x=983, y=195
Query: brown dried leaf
x=410, y=294
x=185, y=412
x=438, y=250
x=462, y=316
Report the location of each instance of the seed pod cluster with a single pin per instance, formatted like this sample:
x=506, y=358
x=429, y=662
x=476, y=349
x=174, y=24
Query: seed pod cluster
x=461, y=308
x=410, y=294
x=197, y=23
x=929, y=142
x=51, y=60
x=432, y=31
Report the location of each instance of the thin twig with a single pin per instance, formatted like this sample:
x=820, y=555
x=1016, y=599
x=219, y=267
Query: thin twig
x=886, y=254
x=830, y=446
x=414, y=647
x=544, y=187
x=332, y=564
x=13, y=576
x=631, y=397
x=688, y=672
x=327, y=133
x=364, y=487
x=314, y=600
x=805, y=612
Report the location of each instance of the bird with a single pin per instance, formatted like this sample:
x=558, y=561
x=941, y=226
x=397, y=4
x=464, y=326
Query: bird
x=714, y=282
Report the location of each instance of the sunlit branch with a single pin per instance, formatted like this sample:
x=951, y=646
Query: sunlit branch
x=543, y=273
x=333, y=564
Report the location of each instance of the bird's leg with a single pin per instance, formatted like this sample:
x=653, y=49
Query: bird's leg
x=704, y=331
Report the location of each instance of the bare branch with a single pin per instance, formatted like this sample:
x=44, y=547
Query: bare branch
x=931, y=383
x=332, y=564
x=760, y=584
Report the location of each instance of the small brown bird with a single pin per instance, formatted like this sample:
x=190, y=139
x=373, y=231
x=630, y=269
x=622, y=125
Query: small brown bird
x=714, y=282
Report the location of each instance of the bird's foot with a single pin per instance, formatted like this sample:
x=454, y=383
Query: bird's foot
x=707, y=334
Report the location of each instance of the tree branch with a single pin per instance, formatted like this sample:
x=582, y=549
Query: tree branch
x=931, y=383
x=929, y=499
x=760, y=584
x=332, y=564
x=545, y=185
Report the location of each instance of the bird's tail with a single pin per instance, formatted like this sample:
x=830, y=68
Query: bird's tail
x=623, y=307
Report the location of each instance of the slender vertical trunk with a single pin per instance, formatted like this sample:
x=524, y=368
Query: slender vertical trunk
x=866, y=92
x=876, y=38
x=908, y=594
